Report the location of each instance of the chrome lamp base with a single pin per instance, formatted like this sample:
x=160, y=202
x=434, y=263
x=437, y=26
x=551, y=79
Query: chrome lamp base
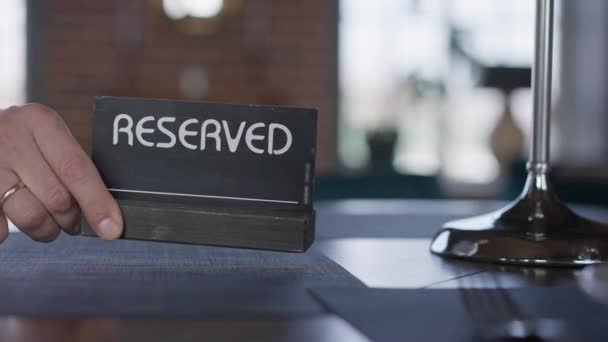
x=537, y=229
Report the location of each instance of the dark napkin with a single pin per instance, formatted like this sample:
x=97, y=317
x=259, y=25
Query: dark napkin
x=76, y=276
x=440, y=315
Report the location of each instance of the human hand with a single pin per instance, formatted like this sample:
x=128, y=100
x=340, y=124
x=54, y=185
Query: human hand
x=38, y=151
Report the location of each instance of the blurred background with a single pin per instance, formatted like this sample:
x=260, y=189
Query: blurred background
x=417, y=98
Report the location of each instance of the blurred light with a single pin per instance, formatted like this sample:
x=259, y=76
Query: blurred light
x=205, y=8
x=179, y=9
x=174, y=9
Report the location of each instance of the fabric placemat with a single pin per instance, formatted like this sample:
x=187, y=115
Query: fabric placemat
x=441, y=315
x=79, y=276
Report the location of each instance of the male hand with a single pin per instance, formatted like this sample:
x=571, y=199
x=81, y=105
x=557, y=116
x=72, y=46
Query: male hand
x=38, y=150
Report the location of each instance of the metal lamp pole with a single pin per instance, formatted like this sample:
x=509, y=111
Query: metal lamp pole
x=537, y=228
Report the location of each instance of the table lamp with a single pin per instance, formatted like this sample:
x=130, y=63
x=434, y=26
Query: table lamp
x=537, y=229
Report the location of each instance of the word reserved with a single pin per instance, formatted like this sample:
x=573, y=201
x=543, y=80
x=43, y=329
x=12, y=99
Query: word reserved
x=195, y=134
x=206, y=153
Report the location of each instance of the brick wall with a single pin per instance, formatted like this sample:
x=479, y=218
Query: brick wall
x=261, y=51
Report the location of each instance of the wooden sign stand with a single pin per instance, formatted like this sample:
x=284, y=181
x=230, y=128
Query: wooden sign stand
x=258, y=229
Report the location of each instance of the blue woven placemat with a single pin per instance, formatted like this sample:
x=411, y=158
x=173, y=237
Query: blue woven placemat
x=81, y=276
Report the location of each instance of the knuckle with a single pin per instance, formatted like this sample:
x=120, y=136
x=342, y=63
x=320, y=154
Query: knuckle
x=9, y=119
x=59, y=199
x=9, y=145
x=37, y=113
x=73, y=168
x=38, y=110
x=11, y=108
x=9, y=112
x=14, y=125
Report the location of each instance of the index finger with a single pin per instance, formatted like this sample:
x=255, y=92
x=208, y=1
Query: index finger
x=77, y=172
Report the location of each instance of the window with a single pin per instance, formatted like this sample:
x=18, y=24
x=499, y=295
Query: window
x=413, y=67
x=12, y=55
x=12, y=52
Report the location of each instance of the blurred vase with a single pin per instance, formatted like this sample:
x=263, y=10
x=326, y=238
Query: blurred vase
x=382, y=147
x=507, y=140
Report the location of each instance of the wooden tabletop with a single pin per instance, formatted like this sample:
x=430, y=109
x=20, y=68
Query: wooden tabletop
x=379, y=242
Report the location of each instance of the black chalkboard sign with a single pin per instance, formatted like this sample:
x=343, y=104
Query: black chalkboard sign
x=212, y=173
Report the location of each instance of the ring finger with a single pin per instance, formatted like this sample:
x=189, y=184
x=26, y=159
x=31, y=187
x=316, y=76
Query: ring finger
x=26, y=211
x=35, y=172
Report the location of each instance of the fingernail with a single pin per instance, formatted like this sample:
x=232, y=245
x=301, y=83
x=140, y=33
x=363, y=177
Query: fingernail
x=109, y=228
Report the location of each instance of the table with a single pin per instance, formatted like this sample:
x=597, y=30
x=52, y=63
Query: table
x=383, y=243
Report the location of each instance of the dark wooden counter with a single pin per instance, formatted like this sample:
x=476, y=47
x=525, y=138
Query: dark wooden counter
x=382, y=243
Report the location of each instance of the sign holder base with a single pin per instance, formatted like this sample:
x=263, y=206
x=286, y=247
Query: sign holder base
x=269, y=229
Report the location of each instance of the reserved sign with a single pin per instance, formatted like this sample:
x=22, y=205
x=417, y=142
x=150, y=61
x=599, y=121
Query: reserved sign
x=206, y=153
